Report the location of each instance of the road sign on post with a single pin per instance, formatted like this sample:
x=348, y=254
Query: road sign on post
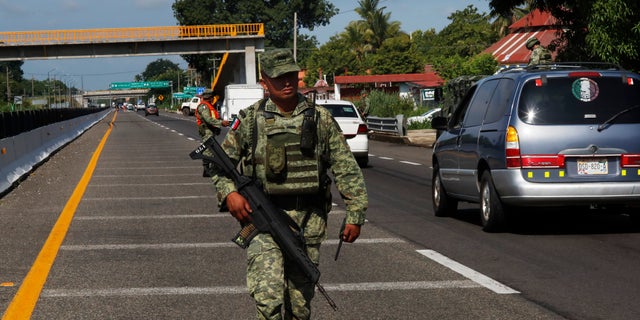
x=139, y=85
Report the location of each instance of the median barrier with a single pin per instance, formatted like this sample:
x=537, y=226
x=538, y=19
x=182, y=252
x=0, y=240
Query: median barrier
x=20, y=153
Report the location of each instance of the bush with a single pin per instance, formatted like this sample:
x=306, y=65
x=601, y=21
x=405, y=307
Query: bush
x=420, y=125
x=387, y=105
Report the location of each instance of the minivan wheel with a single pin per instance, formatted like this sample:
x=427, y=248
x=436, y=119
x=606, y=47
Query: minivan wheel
x=443, y=204
x=492, y=212
x=363, y=161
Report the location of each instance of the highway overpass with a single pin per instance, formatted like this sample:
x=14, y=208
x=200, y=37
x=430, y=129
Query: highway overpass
x=240, y=41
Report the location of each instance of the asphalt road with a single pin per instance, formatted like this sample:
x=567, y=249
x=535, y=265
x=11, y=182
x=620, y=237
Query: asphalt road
x=140, y=237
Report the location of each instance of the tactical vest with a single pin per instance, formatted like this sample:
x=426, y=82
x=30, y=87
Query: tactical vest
x=287, y=170
x=545, y=55
x=214, y=112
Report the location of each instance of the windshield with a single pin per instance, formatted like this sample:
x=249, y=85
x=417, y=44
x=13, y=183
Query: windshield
x=579, y=100
x=341, y=110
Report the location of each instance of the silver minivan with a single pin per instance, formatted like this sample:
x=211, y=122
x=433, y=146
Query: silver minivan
x=548, y=135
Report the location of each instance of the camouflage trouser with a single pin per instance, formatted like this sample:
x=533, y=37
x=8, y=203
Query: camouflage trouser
x=206, y=134
x=274, y=284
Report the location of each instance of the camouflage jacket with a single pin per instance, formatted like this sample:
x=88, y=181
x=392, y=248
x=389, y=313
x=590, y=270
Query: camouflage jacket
x=208, y=121
x=540, y=55
x=337, y=156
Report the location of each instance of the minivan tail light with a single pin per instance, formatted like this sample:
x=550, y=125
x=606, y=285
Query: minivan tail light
x=512, y=148
x=630, y=160
x=543, y=161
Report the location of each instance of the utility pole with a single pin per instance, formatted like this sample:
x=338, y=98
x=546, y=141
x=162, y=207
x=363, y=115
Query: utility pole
x=295, y=37
x=213, y=72
x=8, y=87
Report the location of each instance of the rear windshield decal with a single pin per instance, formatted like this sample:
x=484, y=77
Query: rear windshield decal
x=585, y=89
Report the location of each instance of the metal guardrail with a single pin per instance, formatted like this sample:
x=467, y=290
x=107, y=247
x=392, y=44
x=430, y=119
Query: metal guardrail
x=387, y=125
x=42, y=37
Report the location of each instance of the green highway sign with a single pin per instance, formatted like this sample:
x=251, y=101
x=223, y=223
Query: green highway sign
x=180, y=95
x=193, y=90
x=139, y=85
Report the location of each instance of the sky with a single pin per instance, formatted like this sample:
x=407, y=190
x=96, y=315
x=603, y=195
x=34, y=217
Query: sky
x=98, y=73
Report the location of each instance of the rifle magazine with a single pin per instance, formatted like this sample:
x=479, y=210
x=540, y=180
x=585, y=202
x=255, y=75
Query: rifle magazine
x=244, y=236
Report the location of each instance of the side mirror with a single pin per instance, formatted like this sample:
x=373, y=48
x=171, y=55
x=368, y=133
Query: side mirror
x=439, y=123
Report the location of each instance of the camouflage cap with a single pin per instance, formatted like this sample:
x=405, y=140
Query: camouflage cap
x=531, y=42
x=207, y=94
x=277, y=62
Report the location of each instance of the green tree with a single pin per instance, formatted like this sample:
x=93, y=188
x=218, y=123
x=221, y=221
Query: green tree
x=502, y=21
x=375, y=24
x=594, y=30
x=157, y=70
x=396, y=55
x=468, y=33
x=331, y=59
x=162, y=70
x=10, y=71
x=277, y=16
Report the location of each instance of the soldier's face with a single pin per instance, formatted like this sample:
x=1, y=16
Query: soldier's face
x=283, y=87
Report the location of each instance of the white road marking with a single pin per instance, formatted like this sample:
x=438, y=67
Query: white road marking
x=150, y=184
x=174, y=216
x=469, y=273
x=148, y=198
x=411, y=163
x=163, y=291
x=202, y=245
x=385, y=158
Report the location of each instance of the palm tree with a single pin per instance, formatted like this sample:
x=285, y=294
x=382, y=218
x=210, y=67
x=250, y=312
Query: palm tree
x=355, y=36
x=377, y=27
x=503, y=21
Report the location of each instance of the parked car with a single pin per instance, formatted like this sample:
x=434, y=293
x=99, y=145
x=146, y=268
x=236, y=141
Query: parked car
x=424, y=117
x=352, y=125
x=151, y=109
x=549, y=135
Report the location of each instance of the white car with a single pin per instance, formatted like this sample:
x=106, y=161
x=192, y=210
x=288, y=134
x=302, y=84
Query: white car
x=352, y=125
x=425, y=117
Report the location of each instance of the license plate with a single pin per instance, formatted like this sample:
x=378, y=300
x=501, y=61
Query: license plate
x=592, y=166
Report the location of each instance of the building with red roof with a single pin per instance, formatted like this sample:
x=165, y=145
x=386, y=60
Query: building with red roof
x=410, y=85
x=511, y=50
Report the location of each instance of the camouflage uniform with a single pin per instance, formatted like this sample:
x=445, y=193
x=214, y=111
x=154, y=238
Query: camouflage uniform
x=208, y=126
x=539, y=54
x=272, y=283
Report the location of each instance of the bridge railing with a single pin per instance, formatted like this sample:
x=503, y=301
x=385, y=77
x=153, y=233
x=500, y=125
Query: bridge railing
x=129, y=34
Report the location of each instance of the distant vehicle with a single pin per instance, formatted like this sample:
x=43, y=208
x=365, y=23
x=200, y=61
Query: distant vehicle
x=130, y=107
x=140, y=106
x=558, y=135
x=238, y=97
x=425, y=117
x=151, y=109
x=189, y=107
x=353, y=127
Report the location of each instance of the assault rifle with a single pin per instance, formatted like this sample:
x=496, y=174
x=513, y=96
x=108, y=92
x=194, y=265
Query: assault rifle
x=265, y=216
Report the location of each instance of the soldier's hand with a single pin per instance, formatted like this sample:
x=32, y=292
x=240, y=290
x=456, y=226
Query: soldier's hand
x=351, y=232
x=225, y=123
x=239, y=207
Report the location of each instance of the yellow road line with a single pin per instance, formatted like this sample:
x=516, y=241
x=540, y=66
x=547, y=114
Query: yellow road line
x=23, y=303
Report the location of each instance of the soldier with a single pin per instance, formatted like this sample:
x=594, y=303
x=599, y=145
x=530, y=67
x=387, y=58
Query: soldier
x=539, y=54
x=209, y=123
x=288, y=144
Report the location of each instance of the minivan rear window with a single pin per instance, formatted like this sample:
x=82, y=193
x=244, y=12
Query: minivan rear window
x=579, y=100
